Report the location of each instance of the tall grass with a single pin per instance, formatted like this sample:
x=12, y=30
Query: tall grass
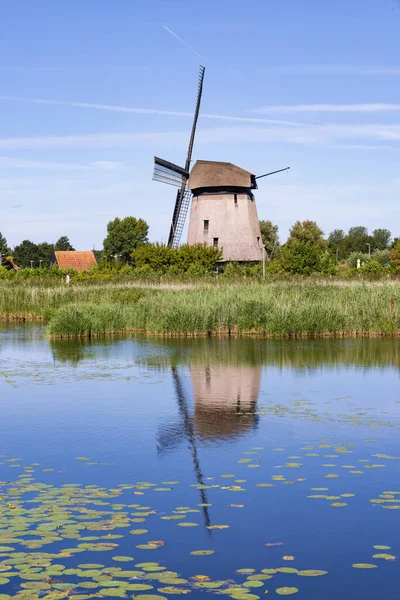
x=274, y=310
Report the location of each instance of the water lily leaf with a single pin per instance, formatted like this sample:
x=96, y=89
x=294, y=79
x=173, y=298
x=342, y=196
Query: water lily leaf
x=382, y=547
x=286, y=591
x=288, y=557
x=253, y=584
x=173, y=590
x=187, y=524
x=211, y=585
x=118, y=592
x=245, y=571
x=138, y=531
x=202, y=552
x=140, y=587
x=122, y=558
x=312, y=573
x=364, y=566
x=148, y=597
x=269, y=571
x=287, y=570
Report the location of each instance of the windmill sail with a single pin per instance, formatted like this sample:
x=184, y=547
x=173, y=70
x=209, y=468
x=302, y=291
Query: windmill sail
x=179, y=216
x=171, y=174
x=167, y=172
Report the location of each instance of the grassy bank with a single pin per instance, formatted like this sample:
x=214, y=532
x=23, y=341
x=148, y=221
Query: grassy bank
x=278, y=309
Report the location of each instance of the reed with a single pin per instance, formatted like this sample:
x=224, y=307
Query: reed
x=275, y=310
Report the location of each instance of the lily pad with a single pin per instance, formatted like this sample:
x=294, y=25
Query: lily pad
x=286, y=591
x=312, y=573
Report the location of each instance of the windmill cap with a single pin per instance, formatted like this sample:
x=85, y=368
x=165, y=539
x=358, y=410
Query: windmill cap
x=214, y=174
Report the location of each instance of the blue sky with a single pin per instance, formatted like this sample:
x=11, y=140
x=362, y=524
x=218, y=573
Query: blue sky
x=306, y=83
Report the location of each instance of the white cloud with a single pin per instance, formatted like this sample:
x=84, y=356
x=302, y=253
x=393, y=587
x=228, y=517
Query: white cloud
x=331, y=70
x=7, y=162
x=148, y=111
x=328, y=108
x=355, y=134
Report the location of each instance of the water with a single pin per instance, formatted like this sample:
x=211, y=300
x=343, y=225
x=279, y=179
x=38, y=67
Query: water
x=309, y=414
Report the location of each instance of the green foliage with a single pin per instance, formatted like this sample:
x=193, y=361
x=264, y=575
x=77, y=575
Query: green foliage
x=63, y=243
x=193, y=260
x=372, y=268
x=379, y=256
x=357, y=240
x=307, y=231
x=394, y=258
x=381, y=239
x=270, y=237
x=28, y=253
x=305, y=251
x=354, y=257
x=4, y=249
x=123, y=236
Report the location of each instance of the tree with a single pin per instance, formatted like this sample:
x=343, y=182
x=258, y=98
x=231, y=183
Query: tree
x=63, y=244
x=394, y=257
x=4, y=249
x=45, y=252
x=356, y=240
x=270, y=237
x=124, y=235
x=307, y=231
x=28, y=254
x=335, y=243
x=305, y=251
x=381, y=239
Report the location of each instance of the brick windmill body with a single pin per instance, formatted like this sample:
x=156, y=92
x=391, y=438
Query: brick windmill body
x=223, y=211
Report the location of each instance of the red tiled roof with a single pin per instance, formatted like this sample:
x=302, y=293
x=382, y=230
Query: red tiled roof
x=72, y=259
x=12, y=264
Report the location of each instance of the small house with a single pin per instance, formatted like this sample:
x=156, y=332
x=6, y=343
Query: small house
x=10, y=264
x=73, y=259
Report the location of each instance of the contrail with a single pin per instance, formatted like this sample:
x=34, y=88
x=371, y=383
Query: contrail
x=156, y=111
x=184, y=43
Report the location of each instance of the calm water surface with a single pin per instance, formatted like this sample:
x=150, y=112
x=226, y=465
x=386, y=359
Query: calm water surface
x=281, y=456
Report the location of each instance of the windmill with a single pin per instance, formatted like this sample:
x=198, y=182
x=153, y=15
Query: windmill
x=172, y=174
x=214, y=219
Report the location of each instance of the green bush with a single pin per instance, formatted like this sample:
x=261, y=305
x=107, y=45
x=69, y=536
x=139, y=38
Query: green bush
x=373, y=269
x=192, y=260
x=394, y=258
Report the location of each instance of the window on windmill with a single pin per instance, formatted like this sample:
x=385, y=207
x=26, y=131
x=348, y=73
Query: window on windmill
x=206, y=224
x=235, y=199
x=258, y=240
x=215, y=242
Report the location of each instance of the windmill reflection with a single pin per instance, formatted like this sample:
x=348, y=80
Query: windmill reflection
x=225, y=401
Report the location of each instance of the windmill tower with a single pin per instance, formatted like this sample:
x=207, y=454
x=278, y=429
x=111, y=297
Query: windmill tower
x=223, y=212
